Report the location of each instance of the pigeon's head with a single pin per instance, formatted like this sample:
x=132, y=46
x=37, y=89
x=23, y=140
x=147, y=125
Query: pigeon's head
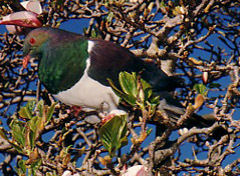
x=34, y=44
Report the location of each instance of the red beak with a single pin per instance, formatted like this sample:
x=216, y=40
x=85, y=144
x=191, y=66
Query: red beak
x=25, y=61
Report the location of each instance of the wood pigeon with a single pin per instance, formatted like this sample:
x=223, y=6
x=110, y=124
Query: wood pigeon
x=74, y=69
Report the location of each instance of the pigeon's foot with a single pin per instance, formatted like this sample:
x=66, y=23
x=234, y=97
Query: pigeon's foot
x=107, y=118
x=116, y=112
x=75, y=110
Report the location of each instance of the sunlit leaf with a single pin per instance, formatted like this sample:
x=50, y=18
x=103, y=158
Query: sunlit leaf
x=25, y=113
x=112, y=133
x=21, y=169
x=34, y=166
x=147, y=88
x=40, y=107
x=116, y=90
x=34, y=123
x=136, y=92
x=2, y=134
x=110, y=17
x=50, y=113
x=128, y=83
x=34, y=126
x=201, y=89
x=130, y=99
x=31, y=105
x=17, y=147
x=18, y=131
x=155, y=100
x=149, y=131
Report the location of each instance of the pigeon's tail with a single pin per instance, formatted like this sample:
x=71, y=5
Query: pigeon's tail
x=171, y=111
x=173, y=114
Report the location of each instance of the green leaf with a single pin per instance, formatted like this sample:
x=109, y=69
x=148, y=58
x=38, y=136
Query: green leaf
x=18, y=131
x=136, y=92
x=149, y=131
x=110, y=17
x=6, y=85
x=201, y=89
x=17, y=147
x=147, y=89
x=155, y=100
x=34, y=167
x=34, y=123
x=21, y=167
x=130, y=99
x=2, y=134
x=124, y=141
x=95, y=33
x=36, y=164
x=128, y=83
x=214, y=85
x=50, y=113
x=31, y=105
x=40, y=108
x=34, y=127
x=115, y=89
x=25, y=113
x=145, y=84
x=113, y=133
x=162, y=4
x=68, y=148
x=32, y=137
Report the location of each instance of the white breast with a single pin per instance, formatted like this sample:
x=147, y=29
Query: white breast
x=89, y=94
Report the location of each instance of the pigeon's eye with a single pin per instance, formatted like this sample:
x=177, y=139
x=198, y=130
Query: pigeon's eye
x=32, y=41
